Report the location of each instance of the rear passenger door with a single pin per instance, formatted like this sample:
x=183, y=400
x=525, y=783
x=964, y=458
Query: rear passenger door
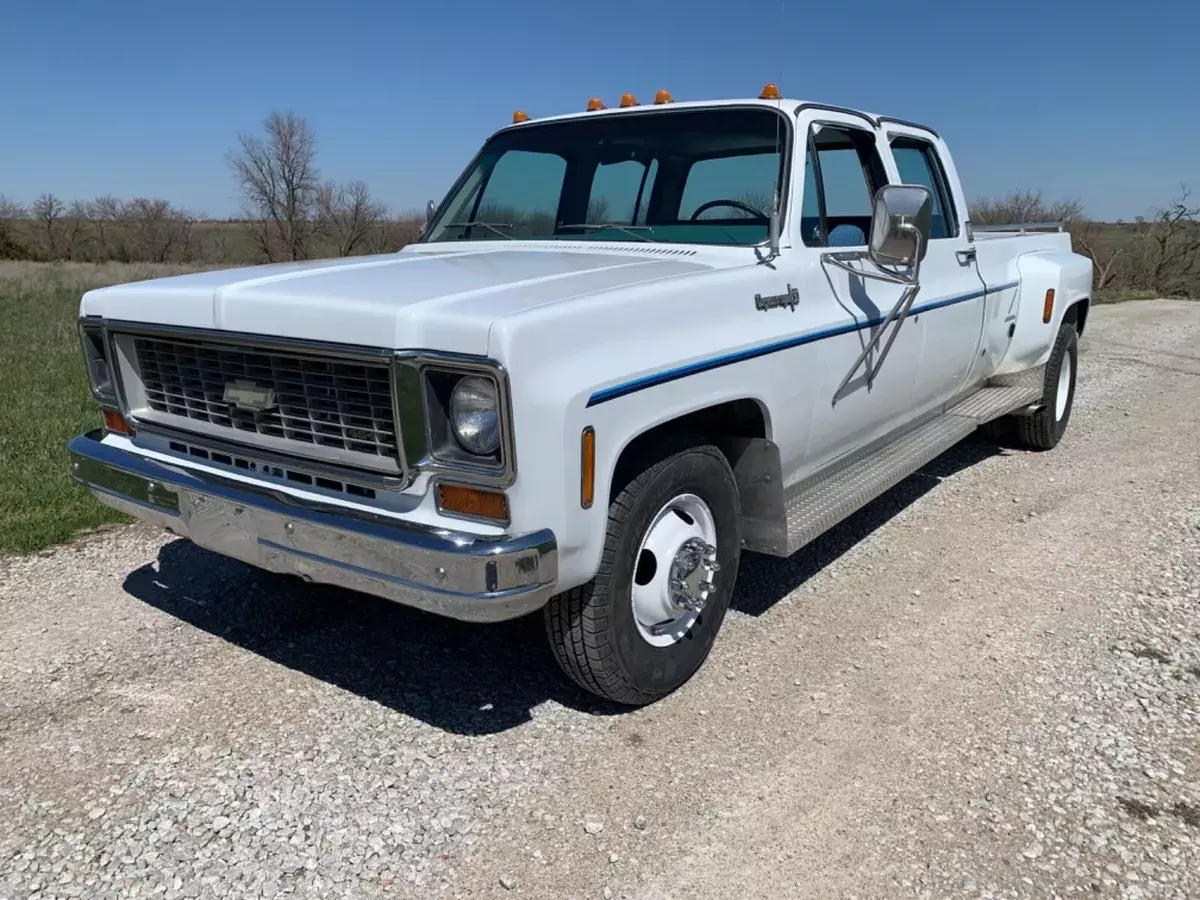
x=949, y=310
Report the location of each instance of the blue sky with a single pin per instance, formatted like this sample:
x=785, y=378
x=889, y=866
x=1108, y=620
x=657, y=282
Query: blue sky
x=1096, y=100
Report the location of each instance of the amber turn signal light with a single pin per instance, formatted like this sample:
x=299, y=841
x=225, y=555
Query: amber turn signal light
x=769, y=92
x=473, y=502
x=114, y=422
x=587, y=467
x=594, y=104
x=1048, y=307
x=663, y=97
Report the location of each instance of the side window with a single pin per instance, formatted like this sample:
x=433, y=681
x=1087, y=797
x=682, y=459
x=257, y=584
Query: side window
x=523, y=191
x=837, y=211
x=918, y=163
x=747, y=179
x=621, y=192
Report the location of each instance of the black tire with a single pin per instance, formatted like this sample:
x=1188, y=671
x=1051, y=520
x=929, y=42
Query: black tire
x=592, y=629
x=1044, y=429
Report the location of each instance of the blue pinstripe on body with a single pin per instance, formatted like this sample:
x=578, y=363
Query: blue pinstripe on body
x=727, y=359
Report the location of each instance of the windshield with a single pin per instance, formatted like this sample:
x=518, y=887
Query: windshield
x=687, y=176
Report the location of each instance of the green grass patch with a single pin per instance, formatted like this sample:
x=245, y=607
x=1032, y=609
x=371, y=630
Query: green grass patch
x=45, y=400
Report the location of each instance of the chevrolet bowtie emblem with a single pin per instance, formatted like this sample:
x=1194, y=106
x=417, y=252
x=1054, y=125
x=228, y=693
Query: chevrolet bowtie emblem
x=249, y=396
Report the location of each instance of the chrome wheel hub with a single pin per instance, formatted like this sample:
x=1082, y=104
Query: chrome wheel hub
x=675, y=570
x=692, y=572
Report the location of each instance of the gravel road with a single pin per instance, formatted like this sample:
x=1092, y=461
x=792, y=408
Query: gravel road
x=986, y=685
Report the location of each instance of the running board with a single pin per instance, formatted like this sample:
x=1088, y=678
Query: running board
x=816, y=504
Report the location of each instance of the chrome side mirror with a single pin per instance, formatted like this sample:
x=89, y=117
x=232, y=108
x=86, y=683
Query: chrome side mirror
x=430, y=209
x=900, y=225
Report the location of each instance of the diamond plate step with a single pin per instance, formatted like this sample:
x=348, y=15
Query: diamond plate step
x=995, y=401
x=819, y=507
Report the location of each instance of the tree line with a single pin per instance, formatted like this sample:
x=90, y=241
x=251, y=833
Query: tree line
x=1157, y=254
x=291, y=212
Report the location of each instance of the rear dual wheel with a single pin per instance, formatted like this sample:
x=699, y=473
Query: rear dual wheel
x=1043, y=429
x=645, y=624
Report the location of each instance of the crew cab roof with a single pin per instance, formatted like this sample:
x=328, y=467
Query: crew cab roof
x=789, y=105
x=786, y=104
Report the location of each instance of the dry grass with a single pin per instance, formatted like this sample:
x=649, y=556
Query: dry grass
x=46, y=397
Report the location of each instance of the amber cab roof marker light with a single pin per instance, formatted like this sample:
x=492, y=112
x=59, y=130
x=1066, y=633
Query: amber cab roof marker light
x=594, y=104
x=520, y=116
x=628, y=100
x=769, y=92
x=663, y=96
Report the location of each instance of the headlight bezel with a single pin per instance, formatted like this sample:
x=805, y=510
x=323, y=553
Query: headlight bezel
x=422, y=388
x=98, y=361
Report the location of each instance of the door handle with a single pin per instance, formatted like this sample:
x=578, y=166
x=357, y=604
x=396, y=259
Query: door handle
x=966, y=257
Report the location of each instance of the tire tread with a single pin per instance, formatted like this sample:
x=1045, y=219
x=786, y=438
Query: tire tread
x=578, y=627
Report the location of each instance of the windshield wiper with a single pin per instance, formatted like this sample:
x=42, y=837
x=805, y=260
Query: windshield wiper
x=631, y=230
x=490, y=226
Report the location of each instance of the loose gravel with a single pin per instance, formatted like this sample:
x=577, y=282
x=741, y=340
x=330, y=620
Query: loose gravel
x=986, y=684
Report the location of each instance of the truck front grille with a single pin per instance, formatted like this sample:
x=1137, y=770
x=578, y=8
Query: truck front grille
x=343, y=406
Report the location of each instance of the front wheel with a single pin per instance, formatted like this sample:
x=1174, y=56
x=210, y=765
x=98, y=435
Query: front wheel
x=645, y=624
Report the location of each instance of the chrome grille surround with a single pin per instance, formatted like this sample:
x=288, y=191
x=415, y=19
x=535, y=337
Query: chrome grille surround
x=323, y=403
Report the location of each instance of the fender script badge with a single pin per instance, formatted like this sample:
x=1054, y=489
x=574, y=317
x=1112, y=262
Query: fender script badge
x=772, y=301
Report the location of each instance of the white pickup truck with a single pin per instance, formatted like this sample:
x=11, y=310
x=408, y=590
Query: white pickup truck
x=631, y=344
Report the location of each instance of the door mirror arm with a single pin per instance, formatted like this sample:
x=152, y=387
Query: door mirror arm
x=900, y=226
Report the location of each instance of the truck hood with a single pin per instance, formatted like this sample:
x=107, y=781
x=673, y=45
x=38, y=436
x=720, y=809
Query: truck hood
x=419, y=298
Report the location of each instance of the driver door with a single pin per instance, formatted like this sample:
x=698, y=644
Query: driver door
x=843, y=170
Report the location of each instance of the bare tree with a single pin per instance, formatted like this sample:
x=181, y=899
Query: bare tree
x=48, y=211
x=1172, y=247
x=158, y=232
x=1023, y=206
x=279, y=184
x=11, y=215
x=390, y=235
x=347, y=214
x=75, y=231
x=1089, y=239
x=105, y=215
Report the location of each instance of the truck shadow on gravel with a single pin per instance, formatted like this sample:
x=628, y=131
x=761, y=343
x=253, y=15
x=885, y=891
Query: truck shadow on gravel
x=463, y=678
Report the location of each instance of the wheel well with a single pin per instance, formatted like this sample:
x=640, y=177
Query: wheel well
x=736, y=418
x=1078, y=313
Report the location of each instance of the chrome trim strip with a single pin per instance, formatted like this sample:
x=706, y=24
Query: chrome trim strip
x=315, y=467
x=907, y=124
x=465, y=576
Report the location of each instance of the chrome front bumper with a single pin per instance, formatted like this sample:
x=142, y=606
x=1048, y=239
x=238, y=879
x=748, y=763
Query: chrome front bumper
x=464, y=576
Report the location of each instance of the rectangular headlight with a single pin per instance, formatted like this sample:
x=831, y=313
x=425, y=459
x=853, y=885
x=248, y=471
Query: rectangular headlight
x=99, y=367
